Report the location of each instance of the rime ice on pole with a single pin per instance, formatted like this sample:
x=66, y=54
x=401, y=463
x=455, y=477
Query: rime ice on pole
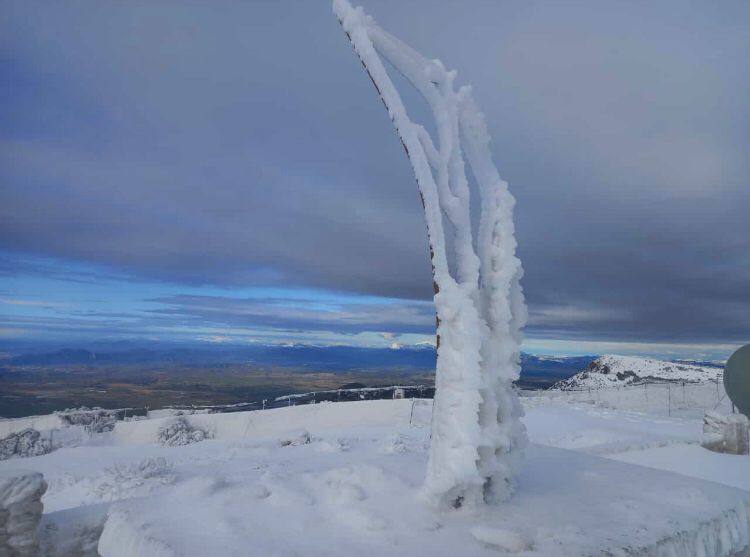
x=477, y=436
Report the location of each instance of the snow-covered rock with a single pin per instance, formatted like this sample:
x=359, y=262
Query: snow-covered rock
x=613, y=371
x=20, y=510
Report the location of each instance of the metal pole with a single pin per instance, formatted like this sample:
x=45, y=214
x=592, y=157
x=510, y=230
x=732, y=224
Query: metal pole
x=669, y=394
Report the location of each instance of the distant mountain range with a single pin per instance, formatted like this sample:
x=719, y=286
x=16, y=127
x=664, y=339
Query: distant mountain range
x=612, y=371
x=536, y=371
x=332, y=358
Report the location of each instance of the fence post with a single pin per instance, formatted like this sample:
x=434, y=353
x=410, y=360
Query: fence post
x=669, y=395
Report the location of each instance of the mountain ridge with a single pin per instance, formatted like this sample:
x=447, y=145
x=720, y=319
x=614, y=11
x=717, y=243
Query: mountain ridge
x=615, y=371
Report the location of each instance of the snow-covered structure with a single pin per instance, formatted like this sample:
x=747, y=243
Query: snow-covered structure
x=477, y=436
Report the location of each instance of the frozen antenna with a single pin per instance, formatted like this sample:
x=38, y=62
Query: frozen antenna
x=477, y=436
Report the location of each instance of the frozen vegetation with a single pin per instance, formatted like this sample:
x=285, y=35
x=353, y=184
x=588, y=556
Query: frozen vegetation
x=180, y=431
x=28, y=442
x=96, y=420
x=477, y=437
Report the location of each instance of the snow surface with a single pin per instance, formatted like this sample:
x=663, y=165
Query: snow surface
x=612, y=371
x=333, y=478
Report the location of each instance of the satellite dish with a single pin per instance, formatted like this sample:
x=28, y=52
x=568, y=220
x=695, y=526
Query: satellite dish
x=737, y=379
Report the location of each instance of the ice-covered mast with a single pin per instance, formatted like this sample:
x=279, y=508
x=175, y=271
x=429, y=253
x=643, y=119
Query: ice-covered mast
x=477, y=436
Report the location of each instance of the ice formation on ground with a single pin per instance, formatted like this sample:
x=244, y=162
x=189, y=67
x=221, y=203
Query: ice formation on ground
x=477, y=436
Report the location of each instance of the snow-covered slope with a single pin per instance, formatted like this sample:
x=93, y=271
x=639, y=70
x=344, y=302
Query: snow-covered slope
x=612, y=371
x=335, y=479
x=339, y=478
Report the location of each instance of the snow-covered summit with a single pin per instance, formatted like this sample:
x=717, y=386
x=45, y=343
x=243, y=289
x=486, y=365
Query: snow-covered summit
x=612, y=371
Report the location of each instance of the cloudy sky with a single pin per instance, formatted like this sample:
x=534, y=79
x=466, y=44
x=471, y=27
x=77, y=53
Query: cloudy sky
x=225, y=171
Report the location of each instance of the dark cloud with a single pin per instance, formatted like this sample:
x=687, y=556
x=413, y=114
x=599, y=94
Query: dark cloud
x=300, y=315
x=205, y=315
x=241, y=143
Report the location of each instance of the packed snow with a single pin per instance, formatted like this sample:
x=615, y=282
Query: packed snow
x=612, y=371
x=333, y=478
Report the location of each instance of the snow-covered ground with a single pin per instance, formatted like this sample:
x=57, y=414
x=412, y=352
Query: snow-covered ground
x=333, y=478
x=667, y=399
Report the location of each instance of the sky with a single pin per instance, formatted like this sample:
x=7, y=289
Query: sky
x=225, y=172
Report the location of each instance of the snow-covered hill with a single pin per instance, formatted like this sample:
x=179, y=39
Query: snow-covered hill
x=612, y=371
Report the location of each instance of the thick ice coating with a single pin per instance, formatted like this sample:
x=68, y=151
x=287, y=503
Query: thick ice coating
x=477, y=436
